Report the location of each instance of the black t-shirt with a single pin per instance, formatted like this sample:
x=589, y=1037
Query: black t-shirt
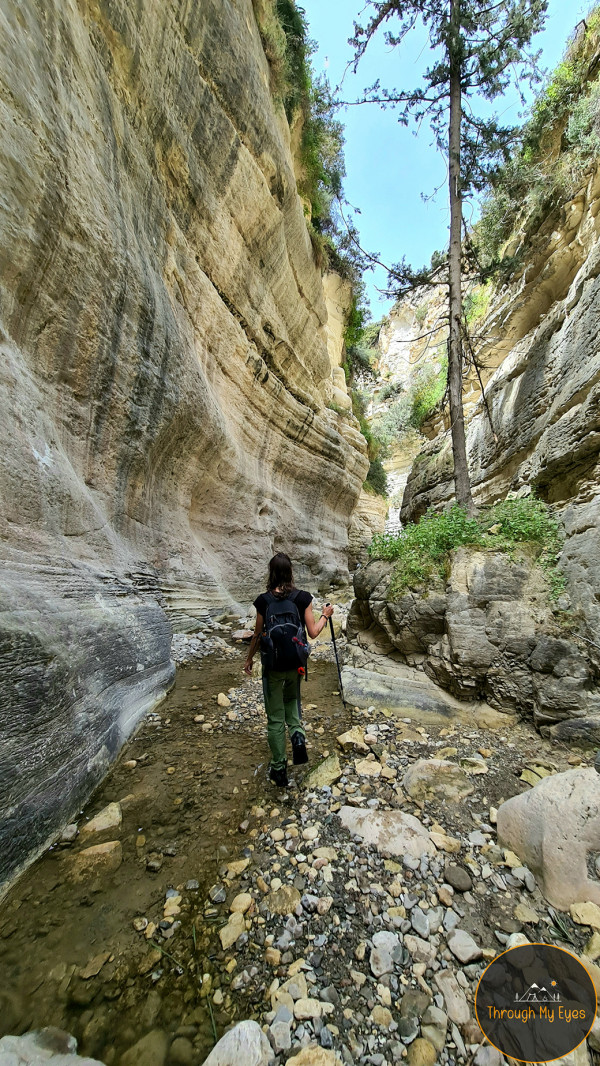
x=302, y=601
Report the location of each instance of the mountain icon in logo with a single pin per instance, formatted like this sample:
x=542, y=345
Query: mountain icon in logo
x=535, y=994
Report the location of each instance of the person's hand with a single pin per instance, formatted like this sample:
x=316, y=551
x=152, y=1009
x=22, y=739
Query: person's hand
x=248, y=667
x=327, y=610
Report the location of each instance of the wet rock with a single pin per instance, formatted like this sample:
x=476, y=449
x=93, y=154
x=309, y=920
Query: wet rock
x=217, y=894
x=108, y=818
x=41, y=1045
x=151, y=1050
x=182, y=1052
x=244, y=1045
x=436, y=779
x=94, y=966
x=230, y=932
x=392, y=831
x=241, y=903
x=554, y=827
x=100, y=860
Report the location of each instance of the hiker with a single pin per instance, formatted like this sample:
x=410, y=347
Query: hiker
x=283, y=614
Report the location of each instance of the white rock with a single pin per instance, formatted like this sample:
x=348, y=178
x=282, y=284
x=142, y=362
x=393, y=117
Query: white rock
x=381, y=958
x=108, y=818
x=553, y=827
x=245, y=1045
x=392, y=831
x=463, y=946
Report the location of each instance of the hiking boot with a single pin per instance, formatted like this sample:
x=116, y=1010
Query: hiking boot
x=279, y=777
x=299, y=748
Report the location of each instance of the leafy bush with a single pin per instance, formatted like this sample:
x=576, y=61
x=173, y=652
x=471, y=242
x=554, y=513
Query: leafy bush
x=377, y=478
x=534, y=180
x=426, y=393
x=390, y=426
x=393, y=388
x=421, y=550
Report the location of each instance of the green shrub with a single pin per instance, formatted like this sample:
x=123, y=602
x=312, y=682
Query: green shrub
x=395, y=388
x=427, y=391
x=533, y=181
x=421, y=550
x=377, y=478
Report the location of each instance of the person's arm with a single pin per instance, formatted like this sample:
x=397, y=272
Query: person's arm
x=315, y=627
x=254, y=643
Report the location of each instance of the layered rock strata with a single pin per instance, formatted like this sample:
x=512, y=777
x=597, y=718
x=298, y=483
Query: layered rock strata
x=541, y=429
x=165, y=374
x=486, y=633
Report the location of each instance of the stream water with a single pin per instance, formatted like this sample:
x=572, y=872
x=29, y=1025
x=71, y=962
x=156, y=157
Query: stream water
x=69, y=953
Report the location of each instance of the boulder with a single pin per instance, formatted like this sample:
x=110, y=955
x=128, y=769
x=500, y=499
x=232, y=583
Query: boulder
x=108, y=818
x=42, y=1047
x=151, y=1050
x=362, y=688
x=100, y=860
x=392, y=831
x=244, y=1045
x=436, y=779
x=554, y=828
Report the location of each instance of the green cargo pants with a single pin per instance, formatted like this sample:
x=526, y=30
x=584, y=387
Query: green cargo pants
x=280, y=690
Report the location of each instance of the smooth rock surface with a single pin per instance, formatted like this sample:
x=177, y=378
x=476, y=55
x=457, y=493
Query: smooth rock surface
x=436, y=779
x=42, y=1047
x=244, y=1045
x=553, y=828
x=392, y=831
x=165, y=366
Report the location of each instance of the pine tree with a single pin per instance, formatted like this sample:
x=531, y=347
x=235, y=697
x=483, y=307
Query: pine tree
x=480, y=47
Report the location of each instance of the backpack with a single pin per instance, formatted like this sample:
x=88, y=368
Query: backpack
x=283, y=644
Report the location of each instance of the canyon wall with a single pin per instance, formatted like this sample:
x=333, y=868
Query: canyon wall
x=164, y=373
x=541, y=431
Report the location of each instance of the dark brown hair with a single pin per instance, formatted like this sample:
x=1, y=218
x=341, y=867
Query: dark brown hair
x=280, y=573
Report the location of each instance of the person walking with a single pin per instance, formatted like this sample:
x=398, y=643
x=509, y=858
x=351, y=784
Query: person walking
x=281, y=687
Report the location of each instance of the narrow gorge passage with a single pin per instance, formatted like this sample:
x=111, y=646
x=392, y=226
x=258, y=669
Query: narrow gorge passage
x=202, y=827
x=185, y=788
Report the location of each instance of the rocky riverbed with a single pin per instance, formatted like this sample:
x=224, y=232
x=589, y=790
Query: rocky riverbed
x=350, y=916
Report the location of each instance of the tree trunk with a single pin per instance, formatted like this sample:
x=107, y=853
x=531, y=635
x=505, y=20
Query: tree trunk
x=462, y=484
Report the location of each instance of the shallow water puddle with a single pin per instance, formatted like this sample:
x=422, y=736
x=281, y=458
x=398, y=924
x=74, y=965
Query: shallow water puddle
x=70, y=955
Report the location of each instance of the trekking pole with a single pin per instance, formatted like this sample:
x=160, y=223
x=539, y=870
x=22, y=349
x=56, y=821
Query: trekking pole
x=337, y=661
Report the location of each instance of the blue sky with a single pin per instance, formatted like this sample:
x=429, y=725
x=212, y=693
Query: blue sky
x=388, y=167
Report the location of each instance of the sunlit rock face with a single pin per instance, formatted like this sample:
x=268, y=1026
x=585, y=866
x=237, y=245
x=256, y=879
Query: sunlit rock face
x=542, y=428
x=165, y=374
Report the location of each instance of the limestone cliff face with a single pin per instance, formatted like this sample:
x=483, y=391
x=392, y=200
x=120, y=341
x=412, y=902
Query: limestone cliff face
x=165, y=374
x=544, y=401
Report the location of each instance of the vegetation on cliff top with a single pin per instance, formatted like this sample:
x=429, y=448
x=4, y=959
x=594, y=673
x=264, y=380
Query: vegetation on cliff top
x=309, y=107
x=421, y=551
x=557, y=146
